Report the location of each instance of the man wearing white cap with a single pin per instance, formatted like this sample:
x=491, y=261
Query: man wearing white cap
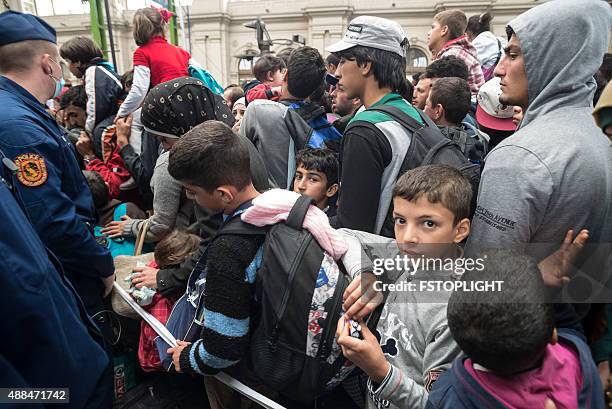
x=373, y=68
x=493, y=117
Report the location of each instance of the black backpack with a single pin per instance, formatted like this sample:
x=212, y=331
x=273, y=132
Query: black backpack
x=427, y=147
x=298, y=293
x=474, y=147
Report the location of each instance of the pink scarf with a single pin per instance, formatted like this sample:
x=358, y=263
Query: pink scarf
x=274, y=206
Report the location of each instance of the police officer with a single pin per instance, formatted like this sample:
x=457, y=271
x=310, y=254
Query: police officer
x=55, y=195
x=48, y=340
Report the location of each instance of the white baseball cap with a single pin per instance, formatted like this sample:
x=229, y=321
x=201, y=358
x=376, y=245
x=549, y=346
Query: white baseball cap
x=373, y=32
x=490, y=112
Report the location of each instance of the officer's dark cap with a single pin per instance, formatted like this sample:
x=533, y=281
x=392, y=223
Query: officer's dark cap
x=16, y=27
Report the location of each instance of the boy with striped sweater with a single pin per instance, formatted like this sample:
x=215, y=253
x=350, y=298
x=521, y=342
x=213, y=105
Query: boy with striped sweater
x=213, y=166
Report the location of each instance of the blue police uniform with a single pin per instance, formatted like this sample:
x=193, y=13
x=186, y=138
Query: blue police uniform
x=55, y=194
x=48, y=340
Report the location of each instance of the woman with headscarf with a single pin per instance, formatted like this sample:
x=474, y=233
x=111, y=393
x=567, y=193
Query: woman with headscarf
x=170, y=110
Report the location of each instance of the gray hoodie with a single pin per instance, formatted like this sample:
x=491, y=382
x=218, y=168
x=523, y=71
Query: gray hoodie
x=555, y=172
x=270, y=125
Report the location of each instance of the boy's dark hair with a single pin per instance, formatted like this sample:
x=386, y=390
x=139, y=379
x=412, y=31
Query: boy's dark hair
x=388, y=68
x=449, y=66
x=305, y=71
x=98, y=188
x=456, y=21
x=415, y=77
x=332, y=59
x=284, y=55
x=265, y=64
x=210, y=155
x=175, y=248
x=235, y=93
x=504, y=331
x=127, y=79
x=80, y=49
x=479, y=23
x=454, y=96
x=75, y=96
x=438, y=184
x=321, y=97
x=320, y=160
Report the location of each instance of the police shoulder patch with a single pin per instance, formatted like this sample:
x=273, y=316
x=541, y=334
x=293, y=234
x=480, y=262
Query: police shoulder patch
x=31, y=169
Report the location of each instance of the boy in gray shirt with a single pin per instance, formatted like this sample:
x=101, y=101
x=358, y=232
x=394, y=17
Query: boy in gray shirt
x=414, y=346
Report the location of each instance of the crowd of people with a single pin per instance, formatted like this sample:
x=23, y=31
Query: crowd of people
x=499, y=152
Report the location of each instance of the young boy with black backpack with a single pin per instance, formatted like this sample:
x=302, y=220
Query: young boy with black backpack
x=213, y=166
x=273, y=306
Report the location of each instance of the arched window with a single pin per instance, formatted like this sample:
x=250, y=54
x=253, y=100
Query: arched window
x=416, y=61
x=246, y=61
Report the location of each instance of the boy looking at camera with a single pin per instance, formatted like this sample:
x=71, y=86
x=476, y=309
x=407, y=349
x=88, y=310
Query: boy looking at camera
x=316, y=176
x=431, y=206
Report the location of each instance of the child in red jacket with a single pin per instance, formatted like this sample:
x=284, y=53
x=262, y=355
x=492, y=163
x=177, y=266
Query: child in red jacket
x=155, y=60
x=269, y=71
x=110, y=164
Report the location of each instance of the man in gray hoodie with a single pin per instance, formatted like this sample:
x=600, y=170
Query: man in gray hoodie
x=555, y=172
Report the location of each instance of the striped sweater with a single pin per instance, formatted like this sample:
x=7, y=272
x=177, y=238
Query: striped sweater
x=231, y=272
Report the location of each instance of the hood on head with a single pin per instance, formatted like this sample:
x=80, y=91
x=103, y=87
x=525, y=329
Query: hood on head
x=563, y=43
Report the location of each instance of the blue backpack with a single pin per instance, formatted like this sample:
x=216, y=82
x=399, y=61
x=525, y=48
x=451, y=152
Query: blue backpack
x=322, y=130
x=121, y=246
x=208, y=80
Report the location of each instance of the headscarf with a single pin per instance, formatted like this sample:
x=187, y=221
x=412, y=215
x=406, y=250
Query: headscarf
x=174, y=107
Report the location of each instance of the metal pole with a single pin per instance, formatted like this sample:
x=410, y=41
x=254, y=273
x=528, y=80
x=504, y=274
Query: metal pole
x=173, y=34
x=189, y=28
x=110, y=33
x=97, y=25
x=182, y=24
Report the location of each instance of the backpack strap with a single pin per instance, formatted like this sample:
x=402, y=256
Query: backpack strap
x=295, y=144
x=237, y=226
x=399, y=116
x=298, y=212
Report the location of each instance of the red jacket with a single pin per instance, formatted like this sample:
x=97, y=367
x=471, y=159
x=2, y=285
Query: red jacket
x=165, y=60
x=112, y=168
x=261, y=91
